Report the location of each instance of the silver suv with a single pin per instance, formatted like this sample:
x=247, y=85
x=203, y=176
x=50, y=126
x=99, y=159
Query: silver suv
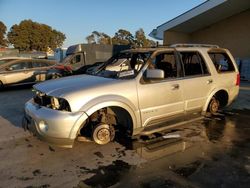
x=147, y=90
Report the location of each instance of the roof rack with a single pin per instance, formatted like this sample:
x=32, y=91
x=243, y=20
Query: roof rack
x=194, y=45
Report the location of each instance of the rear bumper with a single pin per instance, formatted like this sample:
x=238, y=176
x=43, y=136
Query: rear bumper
x=52, y=126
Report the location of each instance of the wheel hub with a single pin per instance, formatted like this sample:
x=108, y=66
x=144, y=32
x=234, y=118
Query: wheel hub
x=103, y=134
x=214, y=106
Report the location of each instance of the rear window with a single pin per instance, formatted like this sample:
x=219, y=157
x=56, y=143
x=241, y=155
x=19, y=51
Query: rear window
x=40, y=64
x=222, y=62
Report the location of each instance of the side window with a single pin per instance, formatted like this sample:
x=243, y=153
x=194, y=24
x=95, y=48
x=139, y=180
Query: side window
x=20, y=66
x=167, y=63
x=193, y=64
x=29, y=64
x=45, y=64
x=76, y=59
x=37, y=64
x=221, y=61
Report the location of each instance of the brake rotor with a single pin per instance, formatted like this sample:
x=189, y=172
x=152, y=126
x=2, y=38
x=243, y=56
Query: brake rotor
x=214, y=105
x=103, y=134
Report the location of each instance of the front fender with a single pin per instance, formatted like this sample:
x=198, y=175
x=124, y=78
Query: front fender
x=113, y=100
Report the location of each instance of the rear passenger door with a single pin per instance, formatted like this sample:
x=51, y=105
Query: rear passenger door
x=19, y=72
x=197, y=82
x=39, y=70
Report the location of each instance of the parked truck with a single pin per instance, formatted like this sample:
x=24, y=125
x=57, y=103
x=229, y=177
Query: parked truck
x=81, y=56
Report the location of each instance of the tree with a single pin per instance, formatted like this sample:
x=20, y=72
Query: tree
x=91, y=39
x=141, y=40
x=123, y=37
x=105, y=39
x=98, y=38
x=3, y=41
x=57, y=39
x=29, y=35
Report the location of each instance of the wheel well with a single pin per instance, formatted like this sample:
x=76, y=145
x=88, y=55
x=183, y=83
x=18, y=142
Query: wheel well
x=117, y=116
x=123, y=118
x=222, y=96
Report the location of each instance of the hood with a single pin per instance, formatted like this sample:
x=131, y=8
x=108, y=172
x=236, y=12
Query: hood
x=64, y=86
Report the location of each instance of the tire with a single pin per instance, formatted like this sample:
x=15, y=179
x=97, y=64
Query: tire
x=103, y=134
x=213, y=106
x=1, y=85
x=56, y=76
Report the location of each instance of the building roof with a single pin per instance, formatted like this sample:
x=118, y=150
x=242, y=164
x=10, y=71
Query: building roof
x=203, y=15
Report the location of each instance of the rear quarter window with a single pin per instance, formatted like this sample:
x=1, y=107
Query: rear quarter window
x=222, y=62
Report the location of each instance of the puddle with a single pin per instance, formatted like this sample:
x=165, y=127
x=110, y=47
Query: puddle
x=99, y=154
x=158, y=183
x=105, y=176
x=40, y=186
x=214, y=129
x=189, y=169
x=36, y=172
x=200, y=146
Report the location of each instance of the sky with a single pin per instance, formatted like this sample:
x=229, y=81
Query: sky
x=78, y=18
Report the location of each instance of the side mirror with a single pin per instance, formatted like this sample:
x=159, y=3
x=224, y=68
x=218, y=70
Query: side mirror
x=155, y=74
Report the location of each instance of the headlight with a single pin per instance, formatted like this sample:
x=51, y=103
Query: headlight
x=43, y=126
x=55, y=103
x=60, y=104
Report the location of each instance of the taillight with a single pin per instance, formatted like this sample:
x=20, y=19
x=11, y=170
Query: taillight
x=238, y=80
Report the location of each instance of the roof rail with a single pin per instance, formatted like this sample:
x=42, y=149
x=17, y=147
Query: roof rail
x=160, y=46
x=194, y=45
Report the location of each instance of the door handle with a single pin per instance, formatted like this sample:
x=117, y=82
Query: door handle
x=175, y=86
x=209, y=81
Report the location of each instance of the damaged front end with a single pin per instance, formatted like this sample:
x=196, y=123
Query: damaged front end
x=50, y=119
x=52, y=102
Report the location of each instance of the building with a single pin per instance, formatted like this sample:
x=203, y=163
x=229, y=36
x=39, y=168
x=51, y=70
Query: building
x=222, y=22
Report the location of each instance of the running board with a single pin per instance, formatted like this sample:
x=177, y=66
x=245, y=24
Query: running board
x=163, y=128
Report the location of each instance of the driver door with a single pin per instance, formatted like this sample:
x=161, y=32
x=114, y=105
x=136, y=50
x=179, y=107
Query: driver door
x=161, y=100
x=77, y=61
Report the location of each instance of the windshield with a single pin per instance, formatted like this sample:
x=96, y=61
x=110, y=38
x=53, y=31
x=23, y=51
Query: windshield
x=122, y=66
x=66, y=59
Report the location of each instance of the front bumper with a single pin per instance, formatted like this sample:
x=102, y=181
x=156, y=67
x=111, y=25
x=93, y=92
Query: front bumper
x=55, y=127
